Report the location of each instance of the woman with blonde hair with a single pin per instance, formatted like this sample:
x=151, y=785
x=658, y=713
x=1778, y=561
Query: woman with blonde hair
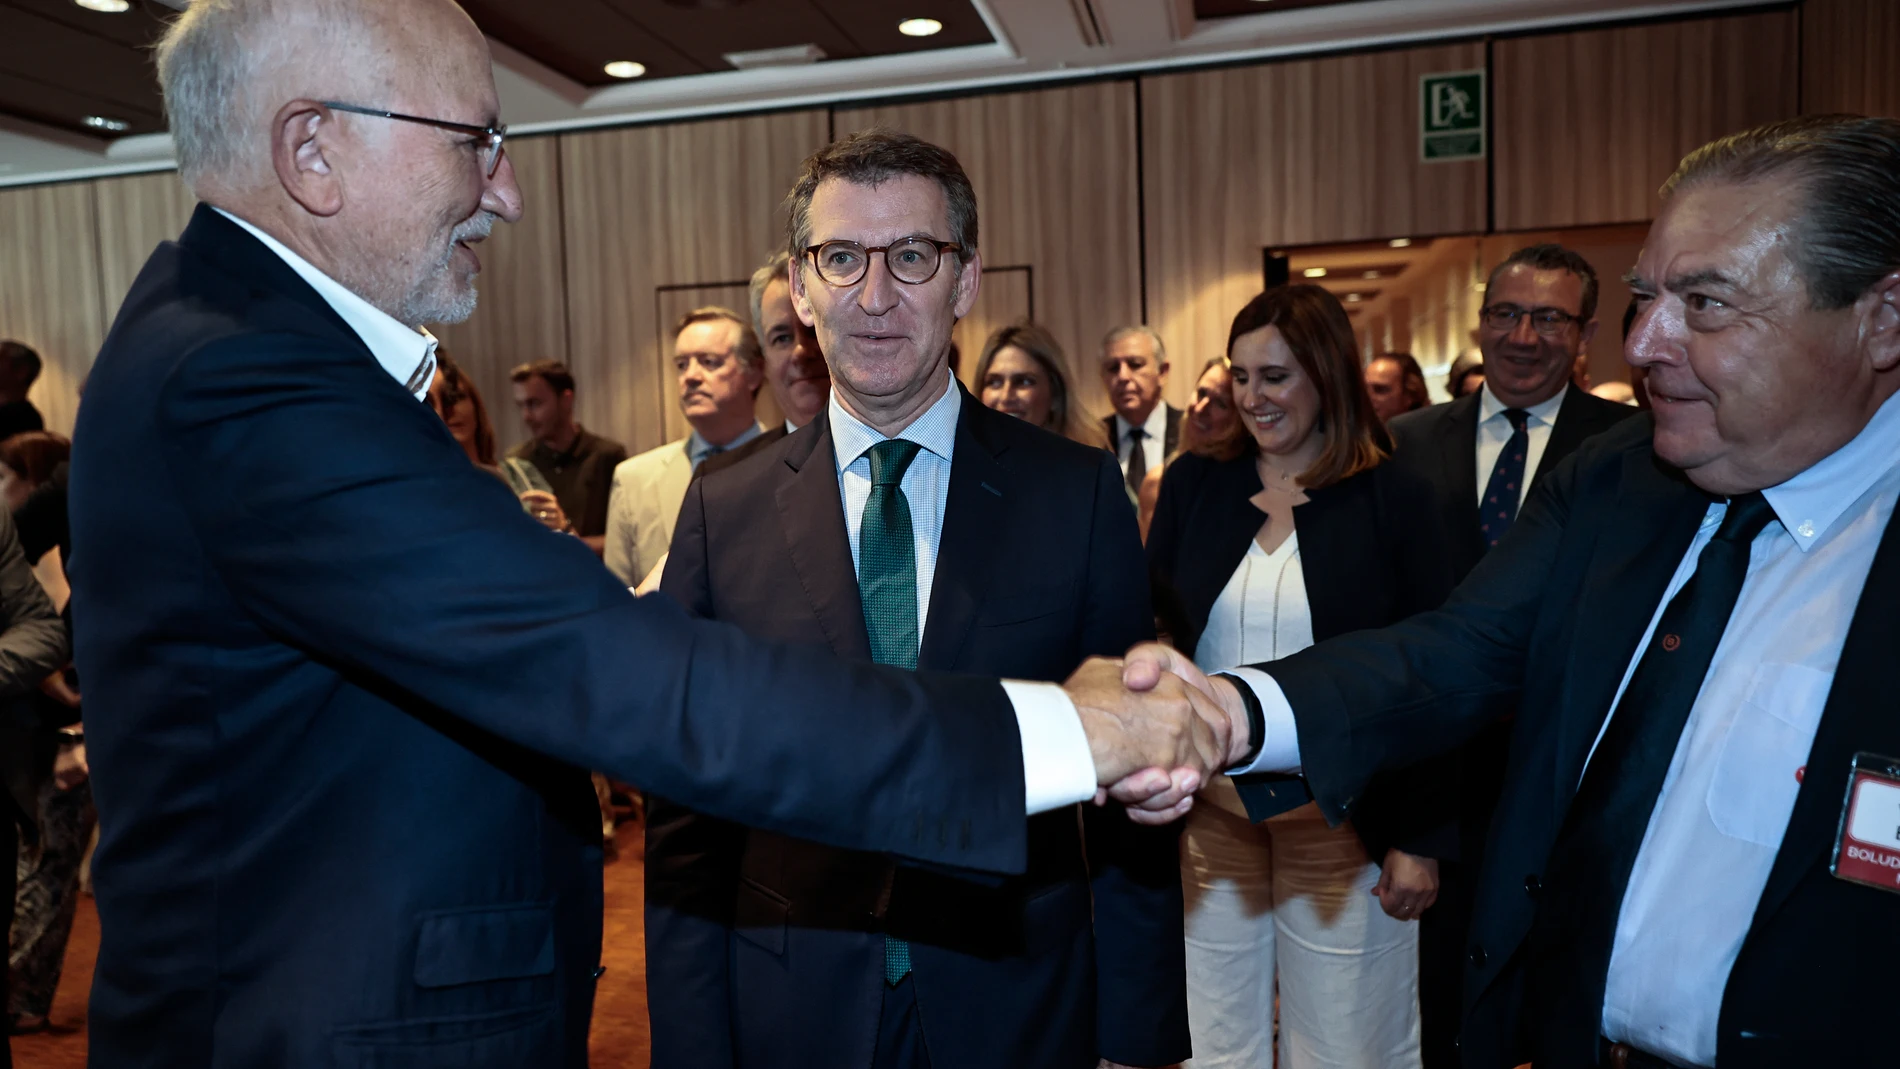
x=1020, y=372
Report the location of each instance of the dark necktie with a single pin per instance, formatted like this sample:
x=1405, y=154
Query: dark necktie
x=1137, y=458
x=1596, y=848
x=1498, y=510
x=887, y=588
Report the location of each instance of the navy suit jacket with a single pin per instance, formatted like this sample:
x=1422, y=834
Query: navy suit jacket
x=341, y=689
x=766, y=950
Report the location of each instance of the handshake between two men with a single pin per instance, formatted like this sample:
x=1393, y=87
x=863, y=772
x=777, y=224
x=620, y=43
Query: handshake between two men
x=1158, y=728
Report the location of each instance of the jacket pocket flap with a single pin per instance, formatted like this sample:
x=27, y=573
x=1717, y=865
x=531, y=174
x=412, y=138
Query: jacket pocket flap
x=759, y=916
x=470, y=946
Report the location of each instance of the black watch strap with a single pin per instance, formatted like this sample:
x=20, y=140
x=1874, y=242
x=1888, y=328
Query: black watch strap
x=1256, y=718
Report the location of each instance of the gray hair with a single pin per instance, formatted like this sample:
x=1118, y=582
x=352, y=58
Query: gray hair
x=871, y=157
x=1141, y=330
x=773, y=268
x=1847, y=169
x=213, y=60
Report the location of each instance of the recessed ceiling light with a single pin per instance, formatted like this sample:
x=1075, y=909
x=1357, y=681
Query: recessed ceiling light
x=110, y=7
x=625, y=68
x=1353, y=298
x=1370, y=274
x=100, y=122
x=1400, y=243
x=919, y=27
x=1314, y=272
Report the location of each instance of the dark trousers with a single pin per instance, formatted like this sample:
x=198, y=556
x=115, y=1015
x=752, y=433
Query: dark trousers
x=1442, y=934
x=900, y=1030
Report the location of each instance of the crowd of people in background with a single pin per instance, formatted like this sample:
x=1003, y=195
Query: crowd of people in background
x=1303, y=493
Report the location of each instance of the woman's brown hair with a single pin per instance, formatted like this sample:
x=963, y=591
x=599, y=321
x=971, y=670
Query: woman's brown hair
x=1065, y=416
x=32, y=455
x=1316, y=328
x=454, y=381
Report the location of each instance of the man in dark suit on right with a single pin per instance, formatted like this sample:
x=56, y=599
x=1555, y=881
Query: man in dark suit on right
x=1482, y=454
x=1694, y=861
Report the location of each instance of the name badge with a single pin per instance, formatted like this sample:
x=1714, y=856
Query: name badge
x=1868, y=848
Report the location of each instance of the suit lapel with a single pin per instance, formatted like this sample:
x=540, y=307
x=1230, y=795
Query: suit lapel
x=975, y=512
x=1857, y=717
x=1575, y=422
x=1458, y=453
x=811, y=513
x=1630, y=567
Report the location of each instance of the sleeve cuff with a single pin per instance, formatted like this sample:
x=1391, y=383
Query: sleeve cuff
x=1280, y=749
x=1058, y=767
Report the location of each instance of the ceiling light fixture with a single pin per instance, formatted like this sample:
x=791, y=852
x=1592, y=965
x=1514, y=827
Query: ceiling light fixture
x=100, y=122
x=1353, y=298
x=1370, y=274
x=625, y=68
x=919, y=27
x=110, y=7
x=1400, y=243
x=1314, y=272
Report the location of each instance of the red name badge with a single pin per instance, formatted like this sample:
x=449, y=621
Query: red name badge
x=1868, y=849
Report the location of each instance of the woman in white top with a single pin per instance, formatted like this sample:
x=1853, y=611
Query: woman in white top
x=1304, y=535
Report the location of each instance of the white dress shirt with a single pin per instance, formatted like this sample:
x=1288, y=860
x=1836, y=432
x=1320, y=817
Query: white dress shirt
x=1058, y=767
x=1154, y=442
x=406, y=352
x=1494, y=430
x=1725, y=802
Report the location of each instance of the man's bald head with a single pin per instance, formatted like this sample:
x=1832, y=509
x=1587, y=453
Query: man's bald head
x=227, y=66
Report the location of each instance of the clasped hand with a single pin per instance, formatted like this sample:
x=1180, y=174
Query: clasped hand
x=1158, y=729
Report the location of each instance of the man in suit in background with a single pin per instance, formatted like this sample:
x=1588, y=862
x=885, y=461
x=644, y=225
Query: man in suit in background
x=718, y=367
x=1483, y=453
x=577, y=463
x=342, y=690
x=794, y=366
x=1661, y=886
x=910, y=525
x=1144, y=430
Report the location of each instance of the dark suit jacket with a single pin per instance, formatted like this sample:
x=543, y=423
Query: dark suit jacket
x=1544, y=625
x=722, y=461
x=1040, y=567
x=1370, y=556
x=341, y=689
x=1170, y=441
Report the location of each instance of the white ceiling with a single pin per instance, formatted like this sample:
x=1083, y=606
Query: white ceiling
x=1036, y=40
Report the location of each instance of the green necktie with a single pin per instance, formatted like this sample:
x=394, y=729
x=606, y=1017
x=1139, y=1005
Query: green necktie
x=887, y=588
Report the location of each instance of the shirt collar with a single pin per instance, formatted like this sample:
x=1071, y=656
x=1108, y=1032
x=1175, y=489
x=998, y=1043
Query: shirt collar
x=1155, y=427
x=935, y=430
x=698, y=448
x=403, y=351
x=1543, y=412
x=1810, y=504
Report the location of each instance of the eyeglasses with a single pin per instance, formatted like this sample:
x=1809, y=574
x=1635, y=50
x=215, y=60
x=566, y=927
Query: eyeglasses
x=492, y=136
x=912, y=260
x=1545, y=321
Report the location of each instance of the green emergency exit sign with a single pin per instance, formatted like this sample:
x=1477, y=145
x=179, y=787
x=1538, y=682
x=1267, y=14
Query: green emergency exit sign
x=1451, y=116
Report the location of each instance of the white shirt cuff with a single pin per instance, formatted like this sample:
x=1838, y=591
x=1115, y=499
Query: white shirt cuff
x=1280, y=750
x=1058, y=766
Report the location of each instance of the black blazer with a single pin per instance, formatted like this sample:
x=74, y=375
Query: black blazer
x=340, y=691
x=722, y=461
x=1171, y=439
x=776, y=944
x=1440, y=445
x=1370, y=555
x=33, y=644
x=1544, y=625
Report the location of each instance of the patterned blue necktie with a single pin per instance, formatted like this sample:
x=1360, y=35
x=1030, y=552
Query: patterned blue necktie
x=887, y=588
x=1498, y=510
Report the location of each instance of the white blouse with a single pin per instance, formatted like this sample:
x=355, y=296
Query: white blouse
x=1261, y=615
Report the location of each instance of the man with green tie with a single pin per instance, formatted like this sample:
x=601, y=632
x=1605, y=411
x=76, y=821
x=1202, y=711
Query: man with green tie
x=912, y=526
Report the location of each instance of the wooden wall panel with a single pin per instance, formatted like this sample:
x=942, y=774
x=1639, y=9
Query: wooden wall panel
x=49, y=289
x=1002, y=299
x=692, y=203
x=136, y=213
x=1293, y=153
x=1634, y=102
x=522, y=314
x=1055, y=177
x=1847, y=57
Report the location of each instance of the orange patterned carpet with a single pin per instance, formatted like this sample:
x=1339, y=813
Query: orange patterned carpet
x=620, y=1038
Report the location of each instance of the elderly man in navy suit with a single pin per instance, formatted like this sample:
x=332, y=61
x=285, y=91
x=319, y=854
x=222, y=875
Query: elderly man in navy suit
x=341, y=688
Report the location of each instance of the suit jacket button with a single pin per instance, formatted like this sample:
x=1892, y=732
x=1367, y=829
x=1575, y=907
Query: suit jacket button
x=1477, y=957
x=1532, y=885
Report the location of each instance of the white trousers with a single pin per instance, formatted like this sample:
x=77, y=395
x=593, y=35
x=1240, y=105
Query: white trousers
x=1294, y=895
